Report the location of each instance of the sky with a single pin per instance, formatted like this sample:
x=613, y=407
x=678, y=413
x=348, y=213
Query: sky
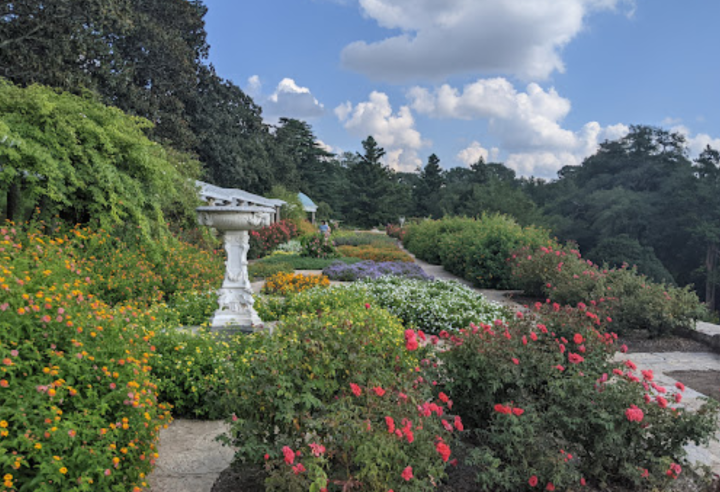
x=535, y=84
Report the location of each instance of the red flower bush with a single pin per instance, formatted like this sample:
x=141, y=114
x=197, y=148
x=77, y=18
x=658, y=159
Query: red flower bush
x=268, y=238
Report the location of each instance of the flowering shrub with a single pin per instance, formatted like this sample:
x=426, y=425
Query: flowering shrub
x=375, y=253
x=78, y=403
x=318, y=246
x=291, y=283
x=370, y=269
x=475, y=249
x=553, y=402
x=299, y=408
x=562, y=275
x=192, y=370
x=268, y=238
x=395, y=231
x=429, y=306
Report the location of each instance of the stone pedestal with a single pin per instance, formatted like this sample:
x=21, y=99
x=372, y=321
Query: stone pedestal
x=235, y=311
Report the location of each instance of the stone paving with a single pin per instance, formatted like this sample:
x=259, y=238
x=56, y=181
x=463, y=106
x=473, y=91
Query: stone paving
x=191, y=459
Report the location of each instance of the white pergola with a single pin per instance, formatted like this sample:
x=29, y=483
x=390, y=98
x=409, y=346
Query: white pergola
x=217, y=196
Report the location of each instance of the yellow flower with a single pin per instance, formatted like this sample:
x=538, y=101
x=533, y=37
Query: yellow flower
x=3, y=424
x=63, y=470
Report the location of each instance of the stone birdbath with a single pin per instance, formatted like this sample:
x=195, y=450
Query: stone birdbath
x=235, y=298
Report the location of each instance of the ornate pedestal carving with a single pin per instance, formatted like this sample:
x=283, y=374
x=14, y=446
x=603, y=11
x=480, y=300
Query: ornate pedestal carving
x=235, y=296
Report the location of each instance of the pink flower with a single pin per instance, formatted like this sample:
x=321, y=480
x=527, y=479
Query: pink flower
x=550, y=487
x=533, y=481
x=443, y=397
x=379, y=391
x=516, y=361
x=578, y=339
x=317, y=449
x=107, y=472
x=355, y=389
x=630, y=365
x=678, y=397
x=559, y=368
x=458, y=423
x=299, y=468
x=648, y=375
x=447, y=425
x=575, y=358
x=444, y=450
x=503, y=409
x=680, y=386
x=662, y=402
x=367, y=306
x=407, y=474
x=390, y=424
x=645, y=473
x=288, y=454
x=674, y=470
x=634, y=414
x=518, y=411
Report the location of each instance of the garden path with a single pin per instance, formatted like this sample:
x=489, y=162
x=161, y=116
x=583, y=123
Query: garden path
x=191, y=459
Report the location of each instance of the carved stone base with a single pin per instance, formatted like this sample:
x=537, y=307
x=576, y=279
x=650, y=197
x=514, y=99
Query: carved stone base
x=245, y=321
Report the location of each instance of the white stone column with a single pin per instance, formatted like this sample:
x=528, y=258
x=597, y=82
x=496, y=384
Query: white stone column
x=235, y=296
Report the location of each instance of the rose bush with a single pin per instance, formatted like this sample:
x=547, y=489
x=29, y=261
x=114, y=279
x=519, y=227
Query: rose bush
x=265, y=240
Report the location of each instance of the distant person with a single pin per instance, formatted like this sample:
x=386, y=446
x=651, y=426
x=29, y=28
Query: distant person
x=324, y=228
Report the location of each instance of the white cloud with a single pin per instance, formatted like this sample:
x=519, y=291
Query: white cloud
x=395, y=132
x=696, y=143
x=441, y=38
x=471, y=154
x=526, y=124
x=328, y=148
x=288, y=100
x=254, y=86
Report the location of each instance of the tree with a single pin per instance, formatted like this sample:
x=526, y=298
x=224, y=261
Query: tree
x=425, y=194
x=233, y=141
x=369, y=186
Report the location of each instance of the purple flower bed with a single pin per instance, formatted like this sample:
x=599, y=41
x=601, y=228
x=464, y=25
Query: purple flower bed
x=338, y=270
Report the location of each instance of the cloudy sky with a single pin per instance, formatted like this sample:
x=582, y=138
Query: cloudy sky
x=536, y=84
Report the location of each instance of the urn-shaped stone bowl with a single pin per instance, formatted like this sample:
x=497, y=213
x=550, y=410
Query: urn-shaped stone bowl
x=235, y=218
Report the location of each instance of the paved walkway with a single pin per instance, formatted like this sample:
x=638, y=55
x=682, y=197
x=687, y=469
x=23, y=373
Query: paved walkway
x=191, y=460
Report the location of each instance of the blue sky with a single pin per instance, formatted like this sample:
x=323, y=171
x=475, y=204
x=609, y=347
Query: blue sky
x=536, y=84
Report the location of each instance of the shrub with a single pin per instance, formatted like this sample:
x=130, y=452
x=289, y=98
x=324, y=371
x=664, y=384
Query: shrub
x=395, y=231
x=562, y=275
x=475, y=249
x=292, y=283
x=192, y=370
x=268, y=238
x=264, y=269
x=78, y=404
x=552, y=402
x=370, y=269
x=375, y=253
x=317, y=401
x=429, y=306
x=318, y=246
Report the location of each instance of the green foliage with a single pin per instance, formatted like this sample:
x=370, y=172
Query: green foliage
x=351, y=238
x=375, y=253
x=622, y=249
x=76, y=382
x=264, y=269
x=293, y=209
x=334, y=380
x=562, y=275
x=304, y=262
x=552, y=401
x=192, y=369
x=85, y=161
x=318, y=246
x=475, y=249
x=429, y=306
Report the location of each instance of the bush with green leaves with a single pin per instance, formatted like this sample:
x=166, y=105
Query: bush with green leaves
x=563, y=276
x=475, y=249
x=84, y=161
x=318, y=246
x=192, y=369
x=545, y=404
x=431, y=306
x=351, y=238
x=293, y=246
x=333, y=398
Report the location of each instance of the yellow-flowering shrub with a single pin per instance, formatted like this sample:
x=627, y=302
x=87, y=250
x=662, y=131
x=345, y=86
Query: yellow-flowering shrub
x=291, y=283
